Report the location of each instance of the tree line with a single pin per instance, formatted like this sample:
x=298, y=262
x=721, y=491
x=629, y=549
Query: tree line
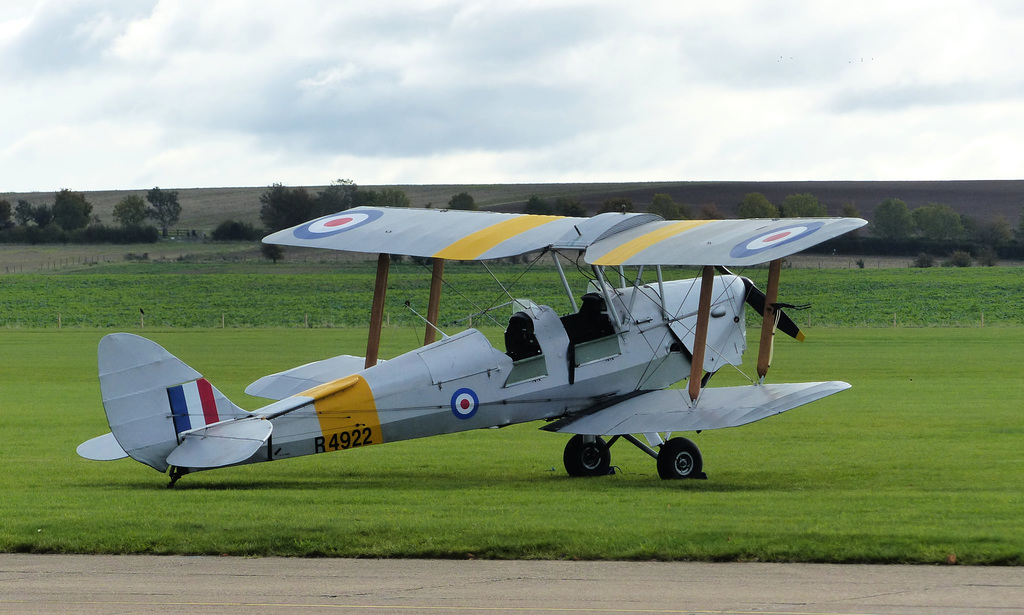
x=70, y=219
x=934, y=229
x=926, y=232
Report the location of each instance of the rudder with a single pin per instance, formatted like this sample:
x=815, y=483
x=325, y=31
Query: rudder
x=150, y=397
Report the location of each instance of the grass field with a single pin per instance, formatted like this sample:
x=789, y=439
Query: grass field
x=183, y=294
x=920, y=462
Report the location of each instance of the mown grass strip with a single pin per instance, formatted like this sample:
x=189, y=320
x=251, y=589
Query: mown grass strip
x=920, y=460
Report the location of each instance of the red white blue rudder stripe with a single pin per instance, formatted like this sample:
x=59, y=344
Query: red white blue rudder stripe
x=193, y=405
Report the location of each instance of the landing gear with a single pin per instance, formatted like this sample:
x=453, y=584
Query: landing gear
x=680, y=458
x=590, y=456
x=587, y=456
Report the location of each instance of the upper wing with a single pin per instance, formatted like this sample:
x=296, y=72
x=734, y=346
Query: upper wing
x=716, y=242
x=439, y=233
x=668, y=409
x=609, y=239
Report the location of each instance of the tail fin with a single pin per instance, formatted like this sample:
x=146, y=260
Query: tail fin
x=151, y=397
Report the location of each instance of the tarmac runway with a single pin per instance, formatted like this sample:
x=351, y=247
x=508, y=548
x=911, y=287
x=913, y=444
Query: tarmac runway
x=70, y=584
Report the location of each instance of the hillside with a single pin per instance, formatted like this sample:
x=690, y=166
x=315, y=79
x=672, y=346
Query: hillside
x=204, y=208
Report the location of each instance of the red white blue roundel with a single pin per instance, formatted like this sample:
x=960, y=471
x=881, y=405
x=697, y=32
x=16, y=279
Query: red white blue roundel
x=464, y=403
x=773, y=238
x=336, y=223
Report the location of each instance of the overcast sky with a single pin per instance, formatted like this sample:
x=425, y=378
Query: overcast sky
x=200, y=93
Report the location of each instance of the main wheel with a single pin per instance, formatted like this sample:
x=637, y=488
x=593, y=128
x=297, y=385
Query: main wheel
x=584, y=458
x=679, y=458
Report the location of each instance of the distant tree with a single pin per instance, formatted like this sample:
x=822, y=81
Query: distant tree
x=757, y=205
x=342, y=194
x=892, y=220
x=393, y=197
x=616, y=204
x=281, y=207
x=5, y=214
x=462, y=200
x=23, y=212
x=165, y=208
x=849, y=210
x=987, y=257
x=1018, y=231
x=232, y=230
x=364, y=198
x=802, y=206
x=42, y=215
x=937, y=222
x=568, y=206
x=959, y=258
x=924, y=261
x=538, y=206
x=70, y=210
x=710, y=211
x=664, y=206
x=130, y=211
x=272, y=251
x=992, y=233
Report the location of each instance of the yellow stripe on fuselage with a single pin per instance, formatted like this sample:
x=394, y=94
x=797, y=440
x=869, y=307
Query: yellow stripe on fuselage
x=347, y=414
x=473, y=245
x=631, y=248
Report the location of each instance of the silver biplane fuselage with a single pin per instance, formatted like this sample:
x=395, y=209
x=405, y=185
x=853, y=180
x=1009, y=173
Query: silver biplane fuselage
x=463, y=382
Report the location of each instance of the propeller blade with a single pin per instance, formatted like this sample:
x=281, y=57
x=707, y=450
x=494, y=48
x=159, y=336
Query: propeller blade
x=756, y=299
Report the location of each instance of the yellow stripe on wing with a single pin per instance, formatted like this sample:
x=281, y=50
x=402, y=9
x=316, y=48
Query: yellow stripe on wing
x=473, y=245
x=620, y=254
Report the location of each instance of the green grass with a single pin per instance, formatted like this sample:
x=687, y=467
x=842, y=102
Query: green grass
x=920, y=460
x=200, y=295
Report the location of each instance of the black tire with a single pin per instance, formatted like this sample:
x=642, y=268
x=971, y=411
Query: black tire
x=680, y=458
x=583, y=458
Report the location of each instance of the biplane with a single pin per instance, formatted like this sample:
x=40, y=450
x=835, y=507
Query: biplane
x=602, y=373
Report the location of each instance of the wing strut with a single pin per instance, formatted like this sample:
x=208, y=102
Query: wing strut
x=700, y=341
x=767, y=345
x=434, y=303
x=565, y=282
x=380, y=289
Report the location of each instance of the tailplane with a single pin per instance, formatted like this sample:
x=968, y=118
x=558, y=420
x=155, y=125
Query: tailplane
x=152, y=399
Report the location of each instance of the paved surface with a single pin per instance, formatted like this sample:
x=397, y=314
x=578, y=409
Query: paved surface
x=142, y=584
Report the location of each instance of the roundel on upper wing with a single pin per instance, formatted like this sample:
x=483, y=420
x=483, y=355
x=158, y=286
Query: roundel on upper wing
x=464, y=403
x=336, y=223
x=773, y=238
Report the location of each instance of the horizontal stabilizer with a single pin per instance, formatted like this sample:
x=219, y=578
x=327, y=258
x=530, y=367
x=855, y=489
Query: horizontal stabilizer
x=304, y=377
x=221, y=444
x=102, y=448
x=669, y=410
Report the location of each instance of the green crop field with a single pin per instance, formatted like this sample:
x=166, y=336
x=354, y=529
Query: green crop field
x=338, y=295
x=920, y=462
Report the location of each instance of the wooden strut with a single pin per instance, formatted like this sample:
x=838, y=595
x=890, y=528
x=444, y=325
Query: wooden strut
x=707, y=280
x=380, y=290
x=434, y=303
x=766, y=347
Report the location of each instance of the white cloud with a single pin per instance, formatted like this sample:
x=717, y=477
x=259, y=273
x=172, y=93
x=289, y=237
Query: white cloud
x=194, y=93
